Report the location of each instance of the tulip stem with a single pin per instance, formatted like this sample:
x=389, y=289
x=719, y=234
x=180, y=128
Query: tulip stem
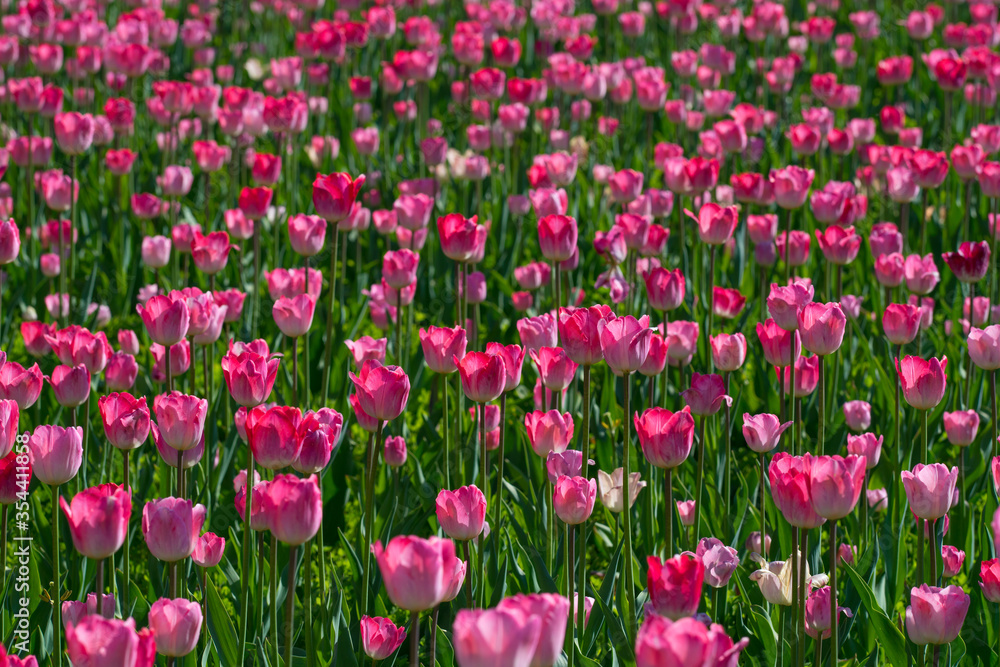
x=414, y=639
x=447, y=434
x=763, y=510
x=295, y=372
x=899, y=447
x=781, y=387
x=289, y=601
x=833, y=590
x=627, y=511
x=729, y=450
x=308, y=603
x=668, y=512
x=484, y=471
x=468, y=580
x=327, y=367
x=921, y=528
x=710, y=299
x=273, y=591
x=72, y=240
x=245, y=575
x=125, y=559
x=932, y=551
x=993, y=406
x=585, y=448
x=57, y=598
x=369, y=511
x=791, y=392
x=571, y=626
x=822, y=404
x=803, y=592
x=498, y=501
x=256, y=277
x=794, y=560
x=700, y=481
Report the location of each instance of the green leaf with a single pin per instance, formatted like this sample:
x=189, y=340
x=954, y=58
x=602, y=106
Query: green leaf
x=221, y=628
x=891, y=638
x=619, y=638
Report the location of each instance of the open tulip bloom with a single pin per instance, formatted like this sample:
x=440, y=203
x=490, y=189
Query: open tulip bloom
x=456, y=308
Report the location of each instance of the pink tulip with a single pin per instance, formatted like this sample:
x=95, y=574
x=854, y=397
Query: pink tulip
x=961, y=427
x=171, y=527
x=930, y=489
x=483, y=376
x=176, y=626
x=513, y=361
x=728, y=351
x=763, y=432
x=415, y=570
x=718, y=560
x=935, y=615
x=258, y=509
x=784, y=303
x=835, y=484
x=840, y=245
x=208, y=550
x=555, y=367
x=857, y=415
x=462, y=512
x=23, y=386
x=923, y=381
x=294, y=508
x=97, y=519
x=706, y=394
x=382, y=391
x=624, y=342
x=495, y=637
x=166, y=320
x=789, y=477
x=366, y=348
x=674, y=585
x=441, y=345
x=952, y=559
x=380, y=637
x=334, y=195
x=9, y=417
x=573, y=499
x=901, y=323
x=817, y=613
x=791, y=185
x=971, y=261
x=821, y=327
x=557, y=237
x=272, y=433
x=56, y=453
x=716, y=224
x=549, y=431
x=778, y=343
x=536, y=332
x=294, y=315
x=551, y=611
x=989, y=579
x=97, y=642
x=984, y=347
x=665, y=288
x=666, y=437
x=71, y=385
x=921, y=274
x=578, y=331
x=180, y=419
x=306, y=234
x=866, y=446
x=686, y=641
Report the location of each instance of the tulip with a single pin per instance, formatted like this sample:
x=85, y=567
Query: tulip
x=624, y=342
x=961, y=427
x=555, y=367
x=171, y=527
x=549, y=432
x=380, y=637
x=728, y=351
x=929, y=489
x=272, y=435
x=718, y=560
x=557, y=237
x=857, y=415
x=989, y=579
x=923, y=382
x=867, y=446
x=935, y=615
x=496, y=636
x=574, y=498
x=56, y=453
x=662, y=641
x=208, y=550
x=97, y=518
x=952, y=560
x=23, y=386
x=984, y=347
x=166, y=320
x=462, y=512
x=96, y=641
x=612, y=489
x=674, y=585
x=294, y=509
x=176, y=626
x=971, y=261
x=413, y=570
x=382, y=390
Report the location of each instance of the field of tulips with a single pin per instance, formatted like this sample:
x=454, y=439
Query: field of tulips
x=499, y=334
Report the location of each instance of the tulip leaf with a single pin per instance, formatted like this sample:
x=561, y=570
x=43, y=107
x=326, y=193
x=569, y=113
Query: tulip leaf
x=766, y=632
x=220, y=625
x=605, y=593
x=445, y=652
x=619, y=638
x=956, y=651
x=891, y=638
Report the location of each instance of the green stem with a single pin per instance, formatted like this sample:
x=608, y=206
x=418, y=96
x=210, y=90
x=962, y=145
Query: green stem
x=246, y=575
x=125, y=546
x=369, y=511
x=834, y=639
x=700, y=479
x=290, y=604
x=273, y=590
x=327, y=368
x=56, y=576
x=629, y=589
x=570, y=625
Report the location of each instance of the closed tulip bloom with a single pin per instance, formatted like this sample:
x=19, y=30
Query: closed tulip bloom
x=97, y=641
x=71, y=385
x=573, y=499
x=97, y=518
x=666, y=437
x=728, y=351
x=682, y=339
x=867, y=446
x=791, y=185
x=579, y=335
x=718, y=560
x=500, y=636
x=462, y=512
x=984, y=347
x=306, y=234
x=176, y=626
x=821, y=327
x=930, y=489
x=840, y=245
x=612, y=489
x=208, y=550
x=460, y=236
x=272, y=434
x=166, y=320
x=536, y=332
x=441, y=345
x=674, y=585
x=258, y=509
x=706, y=394
x=9, y=417
x=785, y=302
x=56, y=453
x=989, y=579
x=923, y=381
x=171, y=527
x=961, y=427
x=763, y=432
x=858, y=415
x=551, y=611
x=817, y=613
x=555, y=367
x=294, y=315
x=716, y=224
x=557, y=237
x=835, y=484
x=901, y=323
x=789, y=477
x=483, y=376
x=971, y=261
x=665, y=288
x=921, y=273
x=414, y=570
x=936, y=615
x=334, y=195
x=686, y=641
x=180, y=419
x=624, y=342
x=399, y=268
x=294, y=508
x=19, y=384
x=366, y=348
x=952, y=559
x=380, y=637
x=548, y=432
x=781, y=347
x=727, y=303
x=10, y=242
x=806, y=376
x=889, y=269
x=656, y=360
x=121, y=372
x=382, y=391
x=513, y=362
